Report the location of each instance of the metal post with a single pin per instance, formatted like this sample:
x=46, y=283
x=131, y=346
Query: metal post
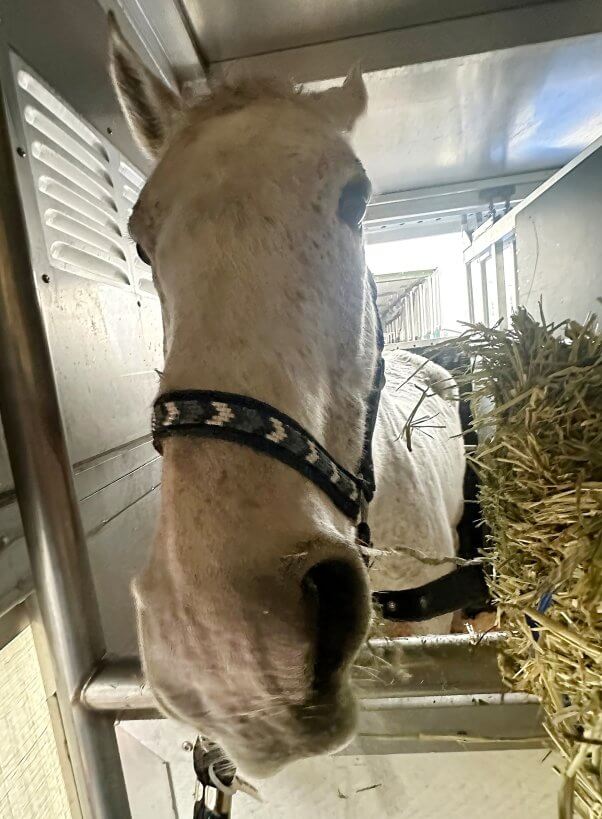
x=515, y=271
x=44, y=485
x=437, y=302
x=500, y=277
x=485, y=292
x=470, y=292
x=428, y=286
x=416, y=304
x=418, y=317
x=411, y=316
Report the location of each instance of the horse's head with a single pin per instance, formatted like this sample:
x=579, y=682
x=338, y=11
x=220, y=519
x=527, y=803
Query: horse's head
x=255, y=602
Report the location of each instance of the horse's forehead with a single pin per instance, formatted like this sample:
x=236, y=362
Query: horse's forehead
x=266, y=133
x=240, y=151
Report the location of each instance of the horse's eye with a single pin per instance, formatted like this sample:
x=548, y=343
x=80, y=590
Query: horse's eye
x=354, y=200
x=142, y=254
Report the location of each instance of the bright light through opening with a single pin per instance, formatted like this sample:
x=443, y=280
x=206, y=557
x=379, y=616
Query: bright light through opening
x=442, y=253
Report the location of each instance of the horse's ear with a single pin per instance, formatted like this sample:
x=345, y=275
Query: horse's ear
x=149, y=106
x=343, y=104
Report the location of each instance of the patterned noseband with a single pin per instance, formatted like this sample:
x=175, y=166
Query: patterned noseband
x=252, y=423
x=255, y=424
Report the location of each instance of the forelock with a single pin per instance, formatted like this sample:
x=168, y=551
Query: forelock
x=232, y=95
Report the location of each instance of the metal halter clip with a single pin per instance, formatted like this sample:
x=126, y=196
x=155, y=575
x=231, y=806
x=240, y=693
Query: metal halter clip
x=213, y=772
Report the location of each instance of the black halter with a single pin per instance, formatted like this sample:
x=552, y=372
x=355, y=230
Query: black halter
x=262, y=427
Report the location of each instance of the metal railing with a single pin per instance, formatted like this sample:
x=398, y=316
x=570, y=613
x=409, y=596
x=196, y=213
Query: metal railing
x=415, y=694
x=491, y=257
x=492, y=271
x=415, y=315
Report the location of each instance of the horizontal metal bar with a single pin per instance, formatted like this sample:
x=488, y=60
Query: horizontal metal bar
x=476, y=188
x=435, y=665
x=12, y=624
x=413, y=344
x=17, y=595
x=392, y=231
x=381, y=278
x=450, y=199
x=452, y=643
x=496, y=233
x=446, y=701
x=416, y=694
x=118, y=685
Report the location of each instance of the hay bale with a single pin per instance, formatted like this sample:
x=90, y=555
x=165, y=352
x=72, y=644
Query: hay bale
x=541, y=494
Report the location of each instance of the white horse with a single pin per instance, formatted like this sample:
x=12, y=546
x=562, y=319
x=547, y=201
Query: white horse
x=255, y=602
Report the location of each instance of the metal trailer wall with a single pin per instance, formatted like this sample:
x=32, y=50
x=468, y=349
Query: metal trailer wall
x=100, y=309
x=559, y=245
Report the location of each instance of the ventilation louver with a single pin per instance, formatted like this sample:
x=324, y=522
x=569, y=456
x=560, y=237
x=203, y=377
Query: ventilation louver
x=85, y=191
x=130, y=182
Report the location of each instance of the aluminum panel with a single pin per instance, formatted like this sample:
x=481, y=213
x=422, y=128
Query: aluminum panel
x=559, y=245
x=94, y=475
x=75, y=191
x=231, y=29
x=85, y=190
x=65, y=42
x=170, y=743
x=119, y=523
x=105, y=371
x=151, y=320
x=420, y=785
x=118, y=549
x=147, y=778
x=486, y=115
x=481, y=96
x=432, y=786
x=98, y=298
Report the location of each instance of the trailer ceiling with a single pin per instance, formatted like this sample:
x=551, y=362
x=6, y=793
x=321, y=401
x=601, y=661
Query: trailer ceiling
x=231, y=29
x=459, y=91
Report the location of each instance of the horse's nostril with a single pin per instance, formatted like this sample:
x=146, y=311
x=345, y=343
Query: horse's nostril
x=337, y=596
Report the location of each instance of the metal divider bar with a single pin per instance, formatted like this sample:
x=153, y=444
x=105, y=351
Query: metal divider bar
x=424, y=693
x=500, y=277
x=469, y=288
x=436, y=666
x=44, y=486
